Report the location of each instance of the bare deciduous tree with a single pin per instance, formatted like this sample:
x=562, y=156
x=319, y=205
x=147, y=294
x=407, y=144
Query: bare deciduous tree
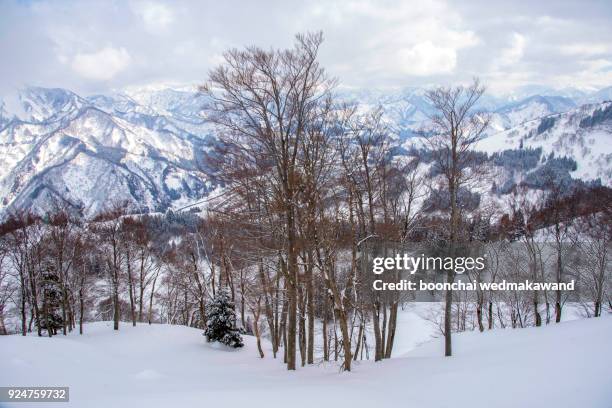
x=456, y=128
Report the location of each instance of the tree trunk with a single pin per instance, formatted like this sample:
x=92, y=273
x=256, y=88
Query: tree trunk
x=325, y=334
x=292, y=282
x=256, y=330
x=141, y=285
x=479, y=315
x=392, y=327
x=448, y=305
x=378, y=355
x=242, y=301
x=131, y=287
x=268, y=307
x=311, y=312
x=558, y=307
x=116, y=309
x=450, y=274
x=383, y=331
x=3, y=331
x=34, y=294
x=150, y=316
x=24, y=318
x=597, y=309
x=302, y=326
x=538, y=317
x=359, y=338
x=81, y=310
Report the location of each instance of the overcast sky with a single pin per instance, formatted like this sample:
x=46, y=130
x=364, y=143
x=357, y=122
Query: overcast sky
x=98, y=46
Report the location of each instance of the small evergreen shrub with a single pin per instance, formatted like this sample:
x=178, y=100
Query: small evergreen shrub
x=221, y=321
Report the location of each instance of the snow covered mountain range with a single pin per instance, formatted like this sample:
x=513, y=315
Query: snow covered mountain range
x=92, y=152
x=148, y=147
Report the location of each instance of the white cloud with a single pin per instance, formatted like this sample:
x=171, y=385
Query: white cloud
x=584, y=49
x=427, y=58
x=596, y=73
x=383, y=42
x=101, y=65
x=156, y=16
x=512, y=54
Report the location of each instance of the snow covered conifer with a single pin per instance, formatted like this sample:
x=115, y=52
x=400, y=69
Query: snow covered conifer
x=221, y=322
x=52, y=320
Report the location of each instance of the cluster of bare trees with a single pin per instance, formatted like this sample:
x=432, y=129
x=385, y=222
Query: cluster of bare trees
x=38, y=254
x=60, y=272
x=310, y=180
x=555, y=238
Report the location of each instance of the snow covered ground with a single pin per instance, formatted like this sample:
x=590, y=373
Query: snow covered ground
x=564, y=365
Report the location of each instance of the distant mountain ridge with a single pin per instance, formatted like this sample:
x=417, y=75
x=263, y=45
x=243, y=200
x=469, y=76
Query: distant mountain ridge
x=147, y=148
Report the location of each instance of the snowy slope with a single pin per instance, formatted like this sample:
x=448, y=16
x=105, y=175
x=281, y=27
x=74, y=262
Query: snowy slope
x=516, y=113
x=573, y=134
x=564, y=365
